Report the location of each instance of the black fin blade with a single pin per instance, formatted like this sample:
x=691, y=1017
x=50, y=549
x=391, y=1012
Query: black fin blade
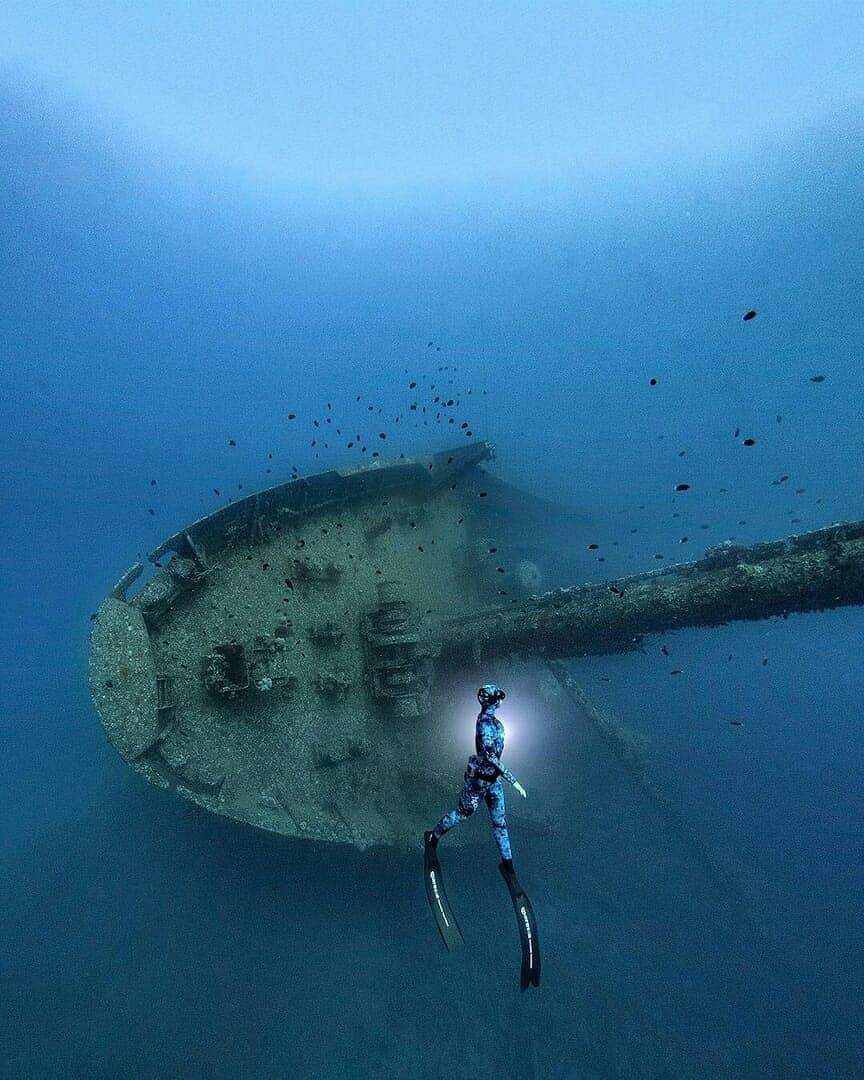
x=530, y=972
x=445, y=920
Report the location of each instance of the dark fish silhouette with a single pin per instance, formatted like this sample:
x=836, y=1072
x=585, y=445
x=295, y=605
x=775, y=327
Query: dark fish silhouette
x=749, y=315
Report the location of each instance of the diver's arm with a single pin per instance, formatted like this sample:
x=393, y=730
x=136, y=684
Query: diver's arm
x=505, y=772
x=487, y=745
x=508, y=776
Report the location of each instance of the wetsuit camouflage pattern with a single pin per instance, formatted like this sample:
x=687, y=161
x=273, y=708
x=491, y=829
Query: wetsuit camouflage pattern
x=483, y=781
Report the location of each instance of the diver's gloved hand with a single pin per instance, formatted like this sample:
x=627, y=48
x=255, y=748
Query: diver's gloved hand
x=520, y=789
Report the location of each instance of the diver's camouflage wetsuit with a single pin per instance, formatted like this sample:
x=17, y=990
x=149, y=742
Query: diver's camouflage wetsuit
x=483, y=781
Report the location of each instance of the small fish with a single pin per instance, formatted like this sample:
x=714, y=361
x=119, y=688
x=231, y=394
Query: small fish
x=749, y=442
x=682, y=487
x=152, y=512
x=749, y=315
x=265, y=566
x=735, y=723
x=482, y=494
x=412, y=385
x=664, y=650
x=289, y=583
x=817, y=378
x=675, y=671
x=652, y=382
x=152, y=483
x=231, y=442
x=593, y=547
x=764, y=661
x=292, y=416
x=616, y=590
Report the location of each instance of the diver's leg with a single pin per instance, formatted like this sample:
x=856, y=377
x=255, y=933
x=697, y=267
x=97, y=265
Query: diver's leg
x=469, y=800
x=495, y=802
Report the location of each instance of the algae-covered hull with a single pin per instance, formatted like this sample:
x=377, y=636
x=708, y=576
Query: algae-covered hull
x=278, y=667
x=290, y=662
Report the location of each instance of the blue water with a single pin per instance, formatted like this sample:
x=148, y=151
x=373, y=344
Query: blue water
x=148, y=317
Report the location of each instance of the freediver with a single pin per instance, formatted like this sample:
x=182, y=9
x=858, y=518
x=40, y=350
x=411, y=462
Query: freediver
x=483, y=781
x=483, y=777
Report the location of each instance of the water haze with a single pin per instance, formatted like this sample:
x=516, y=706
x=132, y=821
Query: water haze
x=218, y=215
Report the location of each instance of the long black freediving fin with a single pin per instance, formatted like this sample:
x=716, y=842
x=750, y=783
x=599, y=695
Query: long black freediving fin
x=530, y=973
x=437, y=897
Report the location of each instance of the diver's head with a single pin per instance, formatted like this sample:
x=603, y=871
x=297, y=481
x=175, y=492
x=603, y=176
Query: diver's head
x=490, y=694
